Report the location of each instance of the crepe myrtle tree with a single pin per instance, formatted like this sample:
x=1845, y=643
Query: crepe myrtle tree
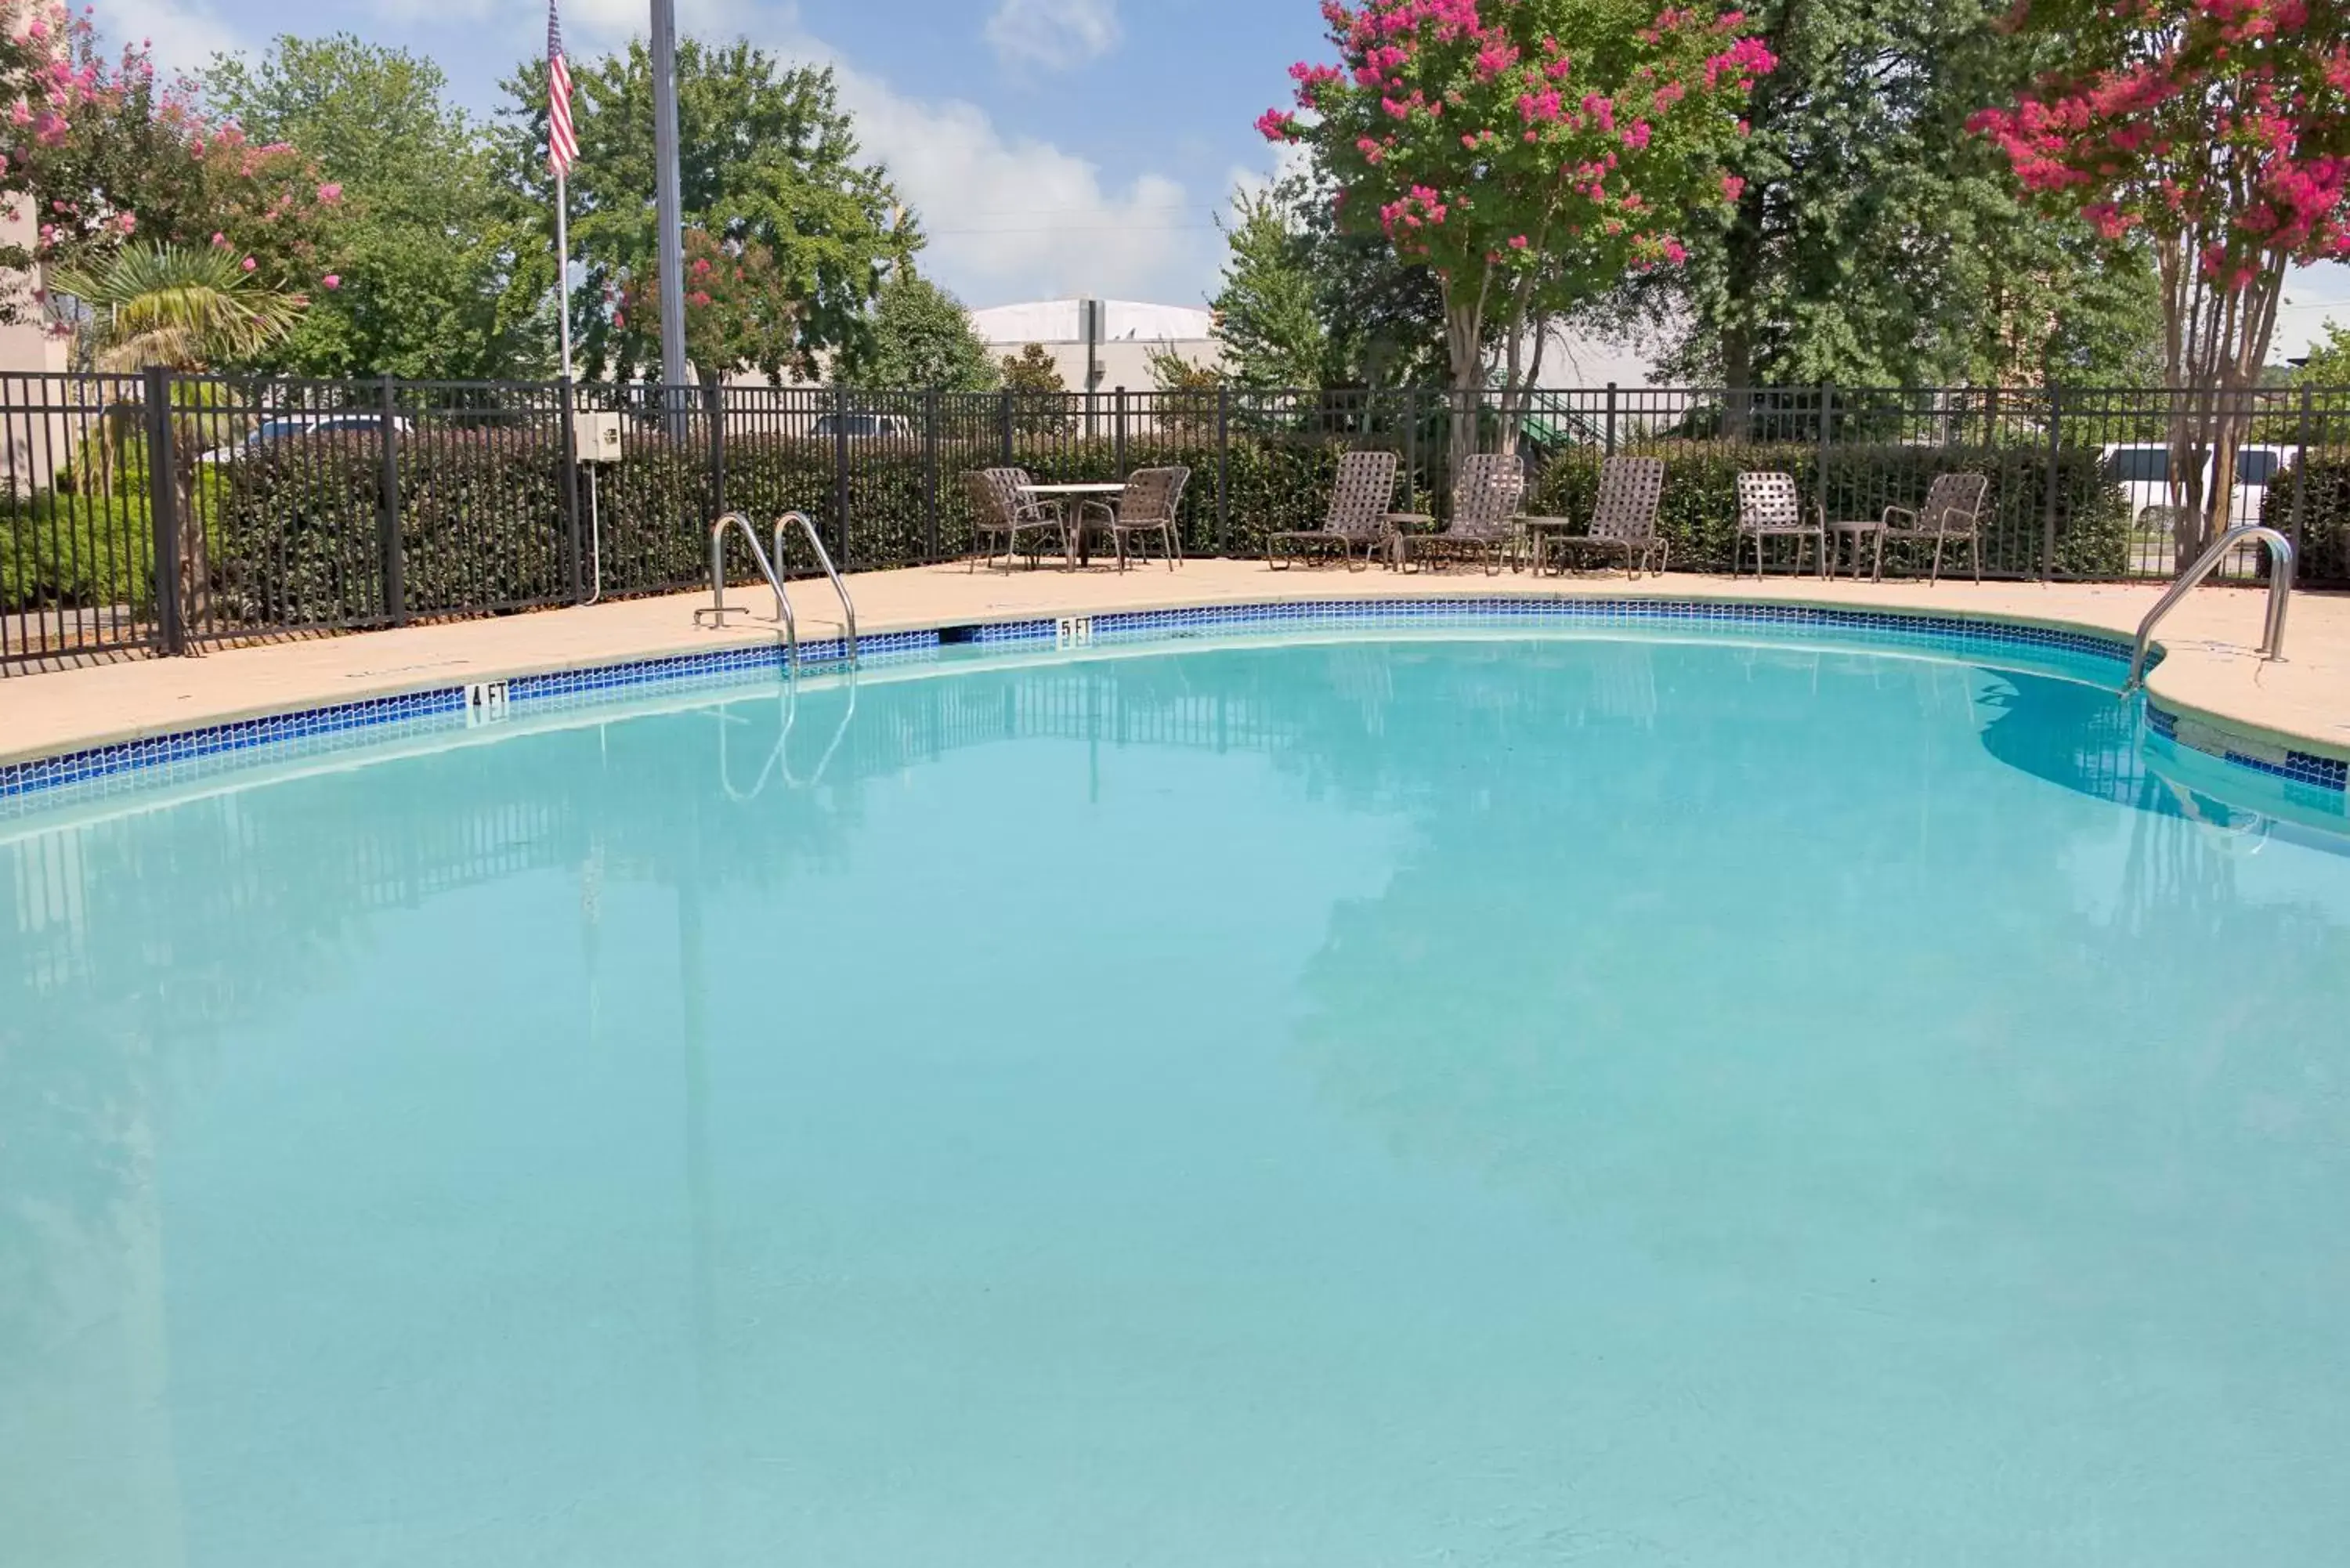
x=2220, y=130
x=102, y=154
x=1529, y=153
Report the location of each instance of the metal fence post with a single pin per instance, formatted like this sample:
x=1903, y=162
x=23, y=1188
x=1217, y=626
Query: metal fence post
x=1828, y=426
x=2300, y=470
x=391, y=552
x=1611, y=418
x=1411, y=449
x=568, y=455
x=163, y=510
x=1117, y=433
x=2056, y=477
x=1003, y=418
x=713, y=409
x=1224, y=469
x=931, y=475
x=839, y=474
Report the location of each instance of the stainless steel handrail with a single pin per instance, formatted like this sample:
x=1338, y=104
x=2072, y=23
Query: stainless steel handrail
x=824, y=559
x=717, y=611
x=2279, y=593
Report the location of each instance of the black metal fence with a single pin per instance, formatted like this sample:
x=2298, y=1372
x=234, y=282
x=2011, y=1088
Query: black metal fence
x=157, y=513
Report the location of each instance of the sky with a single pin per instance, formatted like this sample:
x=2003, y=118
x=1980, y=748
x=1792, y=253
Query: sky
x=1052, y=147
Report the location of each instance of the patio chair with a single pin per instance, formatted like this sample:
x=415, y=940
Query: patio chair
x=1359, y=512
x=1624, y=516
x=1148, y=506
x=1950, y=513
x=1002, y=507
x=1485, y=514
x=1770, y=507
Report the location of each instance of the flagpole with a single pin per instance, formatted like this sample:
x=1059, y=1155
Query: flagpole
x=563, y=271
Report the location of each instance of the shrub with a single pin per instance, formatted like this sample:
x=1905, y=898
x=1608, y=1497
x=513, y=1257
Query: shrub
x=1700, y=510
x=2325, y=514
x=76, y=552
x=292, y=529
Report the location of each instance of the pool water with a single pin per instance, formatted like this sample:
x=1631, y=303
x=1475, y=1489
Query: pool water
x=1481, y=1100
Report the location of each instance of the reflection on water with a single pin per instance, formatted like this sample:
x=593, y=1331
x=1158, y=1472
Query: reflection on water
x=930, y=1120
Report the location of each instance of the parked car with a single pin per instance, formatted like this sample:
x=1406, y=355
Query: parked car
x=864, y=427
x=2143, y=472
x=286, y=427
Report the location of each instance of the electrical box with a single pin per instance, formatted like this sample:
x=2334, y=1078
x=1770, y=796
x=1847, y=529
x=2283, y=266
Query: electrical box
x=596, y=436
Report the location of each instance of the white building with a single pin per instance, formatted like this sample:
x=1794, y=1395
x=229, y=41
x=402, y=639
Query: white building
x=1102, y=344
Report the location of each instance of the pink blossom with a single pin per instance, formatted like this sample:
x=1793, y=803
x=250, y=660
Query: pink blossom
x=1517, y=241
x=126, y=222
x=1733, y=187
x=333, y=280
x=248, y=264
x=330, y=192
x=220, y=239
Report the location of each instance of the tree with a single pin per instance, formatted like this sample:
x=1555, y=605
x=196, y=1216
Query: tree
x=1306, y=304
x=738, y=309
x=428, y=237
x=1269, y=308
x=2327, y=366
x=181, y=307
x=768, y=158
x=2219, y=129
x=1457, y=130
x=132, y=156
x=1187, y=409
x=33, y=41
x=921, y=338
x=1872, y=241
x=1036, y=389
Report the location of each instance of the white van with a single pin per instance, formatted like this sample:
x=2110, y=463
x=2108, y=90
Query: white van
x=2143, y=471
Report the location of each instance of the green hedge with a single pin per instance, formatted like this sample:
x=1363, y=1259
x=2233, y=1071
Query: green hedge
x=292, y=531
x=2324, y=516
x=1700, y=510
x=76, y=552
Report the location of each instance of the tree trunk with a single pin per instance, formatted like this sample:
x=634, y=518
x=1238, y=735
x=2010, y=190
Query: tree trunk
x=1464, y=343
x=1743, y=261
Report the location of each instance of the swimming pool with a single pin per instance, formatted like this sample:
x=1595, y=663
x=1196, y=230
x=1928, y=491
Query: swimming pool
x=1477, y=1096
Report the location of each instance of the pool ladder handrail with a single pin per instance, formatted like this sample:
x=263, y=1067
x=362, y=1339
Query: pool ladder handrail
x=719, y=609
x=2280, y=595
x=824, y=559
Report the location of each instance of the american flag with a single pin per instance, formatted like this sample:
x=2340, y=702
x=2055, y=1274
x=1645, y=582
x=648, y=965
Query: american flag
x=562, y=145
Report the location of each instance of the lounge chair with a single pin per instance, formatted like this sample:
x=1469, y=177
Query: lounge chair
x=1001, y=507
x=1770, y=507
x=1147, y=506
x=1950, y=513
x=1623, y=516
x=1359, y=514
x=1485, y=515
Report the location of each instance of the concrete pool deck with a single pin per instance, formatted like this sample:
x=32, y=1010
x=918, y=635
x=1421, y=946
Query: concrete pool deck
x=2212, y=672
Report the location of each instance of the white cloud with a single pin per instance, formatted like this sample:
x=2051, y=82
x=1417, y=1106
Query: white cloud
x=1010, y=218
x=1018, y=218
x=1057, y=35
x=184, y=35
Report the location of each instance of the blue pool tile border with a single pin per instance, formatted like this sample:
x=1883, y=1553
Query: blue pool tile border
x=142, y=764
x=2287, y=762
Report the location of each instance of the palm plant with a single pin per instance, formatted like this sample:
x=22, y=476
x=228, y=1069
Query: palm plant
x=184, y=310
x=178, y=308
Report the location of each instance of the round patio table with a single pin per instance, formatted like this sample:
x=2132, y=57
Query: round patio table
x=1079, y=555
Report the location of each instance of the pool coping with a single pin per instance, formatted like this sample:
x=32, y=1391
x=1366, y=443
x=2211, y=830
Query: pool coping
x=704, y=656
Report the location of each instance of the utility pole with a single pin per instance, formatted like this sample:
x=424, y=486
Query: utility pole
x=668, y=215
